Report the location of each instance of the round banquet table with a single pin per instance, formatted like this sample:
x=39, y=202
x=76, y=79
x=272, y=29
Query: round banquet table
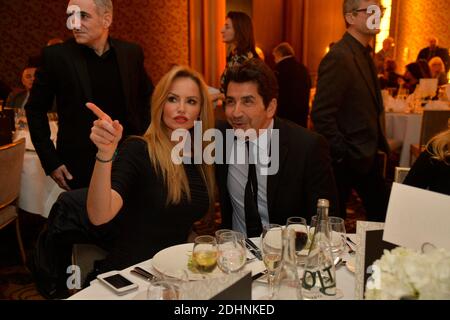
x=38, y=192
x=345, y=281
x=404, y=127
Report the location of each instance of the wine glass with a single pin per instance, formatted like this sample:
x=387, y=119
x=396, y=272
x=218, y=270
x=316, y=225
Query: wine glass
x=271, y=242
x=204, y=254
x=232, y=253
x=164, y=289
x=299, y=226
x=337, y=235
x=220, y=231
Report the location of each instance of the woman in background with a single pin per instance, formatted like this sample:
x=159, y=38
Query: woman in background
x=237, y=33
x=432, y=169
x=412, y=76
x=437, y=69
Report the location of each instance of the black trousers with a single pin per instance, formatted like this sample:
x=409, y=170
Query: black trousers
x=68, y=224
x=370, y=186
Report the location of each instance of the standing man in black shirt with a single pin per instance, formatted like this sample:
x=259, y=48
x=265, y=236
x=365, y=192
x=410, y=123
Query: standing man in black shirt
x=435, y=51
x=348, y=111
x=92, y=67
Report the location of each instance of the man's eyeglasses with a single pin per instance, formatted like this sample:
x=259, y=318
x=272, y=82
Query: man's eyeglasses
x=382, y=10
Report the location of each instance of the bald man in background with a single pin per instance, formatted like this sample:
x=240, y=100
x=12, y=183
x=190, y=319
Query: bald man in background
x=435, y=51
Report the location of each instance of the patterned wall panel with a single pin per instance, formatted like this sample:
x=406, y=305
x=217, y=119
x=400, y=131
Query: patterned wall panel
x=418, y=20
x=159, y=26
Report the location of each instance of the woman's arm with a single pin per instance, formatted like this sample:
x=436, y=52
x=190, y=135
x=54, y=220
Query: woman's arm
x=103, y=203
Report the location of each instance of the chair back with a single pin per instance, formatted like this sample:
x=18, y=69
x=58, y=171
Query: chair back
x=11, y=162
x=400, y=174
x=6, y=126
x=433, y=122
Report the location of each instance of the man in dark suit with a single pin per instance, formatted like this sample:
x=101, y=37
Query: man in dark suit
x=435, y=51
x=92, y=67
x=300, y=167
x=348, y=111
x=294, y=85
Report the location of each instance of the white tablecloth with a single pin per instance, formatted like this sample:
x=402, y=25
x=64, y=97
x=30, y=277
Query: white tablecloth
x=345, y=281
x=404, y=127
x=38, y=192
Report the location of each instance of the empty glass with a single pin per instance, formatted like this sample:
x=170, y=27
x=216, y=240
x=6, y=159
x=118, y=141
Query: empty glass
x=20, y=119
x=220, y=231
x=300, y=228
x=232, y=253
x=164, y=289
x=204, y=254
x=337, y=234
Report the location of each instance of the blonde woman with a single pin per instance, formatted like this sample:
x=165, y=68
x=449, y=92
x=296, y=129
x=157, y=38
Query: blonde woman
x=153, y=201
x=437, y=69
x=432, y=169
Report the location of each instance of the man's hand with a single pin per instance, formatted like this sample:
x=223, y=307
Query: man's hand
x=60, y=175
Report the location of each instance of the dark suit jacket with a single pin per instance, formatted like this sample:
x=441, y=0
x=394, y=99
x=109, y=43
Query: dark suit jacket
x=294, y=84
x=348, y=107
x=438, y=52
x=304, y=176
x=64, y=75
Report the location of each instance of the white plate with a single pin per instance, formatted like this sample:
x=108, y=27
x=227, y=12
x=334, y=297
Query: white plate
x=350, y=264
x=173, y=260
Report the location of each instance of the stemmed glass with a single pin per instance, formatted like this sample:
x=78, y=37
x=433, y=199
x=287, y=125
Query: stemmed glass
x=299, y=226
x=337, y=234
x=271, y=243
x=232, y=253
x=204, y=254
x=164, y=289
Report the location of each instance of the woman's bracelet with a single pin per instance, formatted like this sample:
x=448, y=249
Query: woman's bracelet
x=106, y=161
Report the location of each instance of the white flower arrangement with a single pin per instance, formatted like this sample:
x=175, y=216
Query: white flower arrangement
x=407, y=274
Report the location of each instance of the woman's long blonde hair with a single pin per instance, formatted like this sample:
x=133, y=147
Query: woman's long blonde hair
x=158, y=137
x=439, y=147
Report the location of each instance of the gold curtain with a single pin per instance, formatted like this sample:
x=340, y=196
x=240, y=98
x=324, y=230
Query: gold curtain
x=206, y=51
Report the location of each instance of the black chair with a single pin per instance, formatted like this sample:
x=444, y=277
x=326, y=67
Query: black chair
x=433, y=122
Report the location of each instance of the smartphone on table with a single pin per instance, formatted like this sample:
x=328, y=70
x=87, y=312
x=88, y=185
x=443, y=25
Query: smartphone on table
x=117, y=282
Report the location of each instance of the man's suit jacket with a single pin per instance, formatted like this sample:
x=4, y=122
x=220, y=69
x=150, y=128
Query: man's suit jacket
x=304, y=176
x=64, y=74
x=294, y=84
x=348, y=107
x=438, y=52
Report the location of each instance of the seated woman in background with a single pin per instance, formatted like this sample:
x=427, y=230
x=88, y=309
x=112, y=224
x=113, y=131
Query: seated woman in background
x=390, y=78
x=437, y=69
x=432, y=169
x=19, y=98
x=412, y=76
x=154, y=201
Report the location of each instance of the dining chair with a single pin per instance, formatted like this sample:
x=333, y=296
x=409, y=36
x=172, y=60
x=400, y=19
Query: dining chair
x=400, y=174
x=11, y=162
x=84, y=256
x=433, y=122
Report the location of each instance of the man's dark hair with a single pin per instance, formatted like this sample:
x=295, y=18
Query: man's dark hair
x=256, y=71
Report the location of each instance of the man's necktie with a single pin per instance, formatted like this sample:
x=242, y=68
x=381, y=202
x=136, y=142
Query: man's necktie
x=252, y=218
